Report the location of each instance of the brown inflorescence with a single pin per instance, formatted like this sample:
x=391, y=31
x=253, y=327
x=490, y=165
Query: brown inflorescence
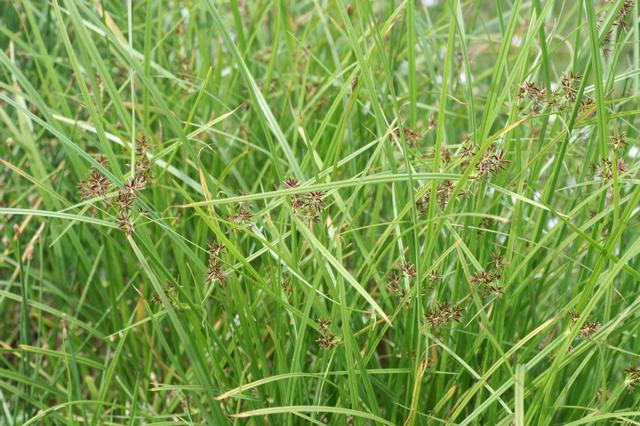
x=215, y=270
x=442, y=314
x=326, y=340
x=308, y=205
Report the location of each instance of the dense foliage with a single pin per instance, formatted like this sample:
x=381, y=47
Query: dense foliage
x=319, y=212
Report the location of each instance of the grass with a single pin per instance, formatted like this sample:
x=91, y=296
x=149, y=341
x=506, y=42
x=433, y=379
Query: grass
x=319, y=212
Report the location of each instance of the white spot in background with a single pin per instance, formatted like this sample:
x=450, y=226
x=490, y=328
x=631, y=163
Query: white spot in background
x=404, y=67
x=634, y=152
x=501, y=238
x=225, y=71
x=585, y=132
x=439, y=79
x=516, y=40
x=571, y=181
x=553, y=85
x=552, y=222
x=463, y=77
x=167, y=23
x=366, y=107
x=537, y=196
x=185, y=14
x=490, y=191
x=429, y=3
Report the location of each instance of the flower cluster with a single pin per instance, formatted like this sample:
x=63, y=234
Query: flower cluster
x=622, y=14
x=588, y=329
x=497, y=260
x=633, y=378
x=618, y=142
x=394, y=286
x=558, y=99
x=95, y=185
x=605, y=168
x=215, y=270
x=485, y=223
x=124, y=223
x=488, y=280
x=442, y=314
x=287, y=288
x=467, y=150
x=309, y=204
x=586, y=103
x=434, y=276
x=443, y=195
x=409, y=269
x=570, y=83
x=134, y=184
x=326, y=340
x=241, y=216
x=619, y=22
x=536, y=94
x=491, y=163
x=143, y=164
x=445, y=154
x=170, y=291
x=412, y=136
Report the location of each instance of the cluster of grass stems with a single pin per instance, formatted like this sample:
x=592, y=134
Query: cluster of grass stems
x=283, y=212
